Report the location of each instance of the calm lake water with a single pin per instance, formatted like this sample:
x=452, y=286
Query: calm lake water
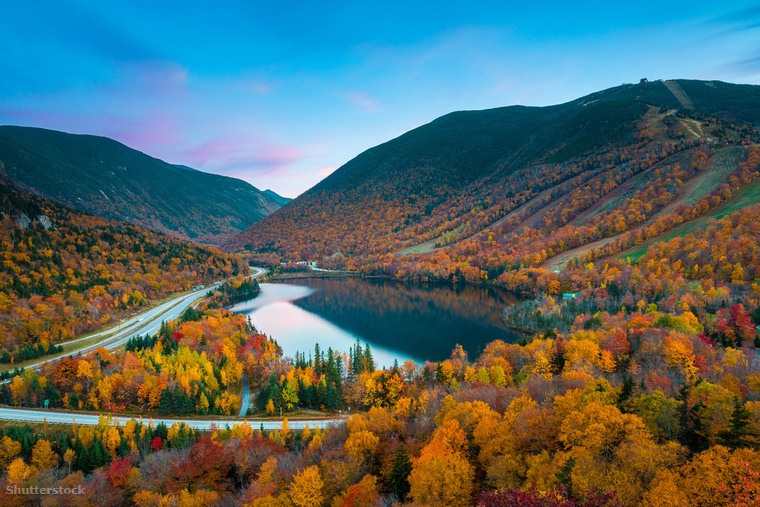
x=399, y=321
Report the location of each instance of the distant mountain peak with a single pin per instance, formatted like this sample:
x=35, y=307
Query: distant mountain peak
x=277, y=197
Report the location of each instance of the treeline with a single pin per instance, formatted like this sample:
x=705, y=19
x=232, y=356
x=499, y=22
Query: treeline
x=316, y=382
x=231, y=292
x=32, y=351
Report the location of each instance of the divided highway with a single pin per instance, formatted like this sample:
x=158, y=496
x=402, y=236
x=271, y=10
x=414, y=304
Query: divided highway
x=149, y=322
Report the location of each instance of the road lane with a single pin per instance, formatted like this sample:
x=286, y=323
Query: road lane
x=148, y=322
x=61, y=417
x=245, y=402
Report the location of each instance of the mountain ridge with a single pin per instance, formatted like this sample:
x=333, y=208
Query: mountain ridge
x=105, y=177
x=469, y=171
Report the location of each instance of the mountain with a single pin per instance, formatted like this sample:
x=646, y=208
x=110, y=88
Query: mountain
x=480, y=191
x=104, y=177
x=277, y=197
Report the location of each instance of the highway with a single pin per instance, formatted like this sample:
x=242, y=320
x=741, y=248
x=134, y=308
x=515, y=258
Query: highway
x=62, y=417
x=149, y=322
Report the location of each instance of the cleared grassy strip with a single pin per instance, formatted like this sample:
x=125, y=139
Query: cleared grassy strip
x=748, y=196
x=726, y=160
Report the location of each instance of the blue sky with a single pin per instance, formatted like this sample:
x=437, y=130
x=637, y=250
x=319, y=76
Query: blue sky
x=282, y=93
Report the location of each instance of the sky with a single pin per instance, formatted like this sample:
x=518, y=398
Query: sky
x=281, y=94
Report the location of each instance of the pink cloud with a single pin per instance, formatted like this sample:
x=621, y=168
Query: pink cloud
x=326, y=171
x=239, y=155
x=155, y=131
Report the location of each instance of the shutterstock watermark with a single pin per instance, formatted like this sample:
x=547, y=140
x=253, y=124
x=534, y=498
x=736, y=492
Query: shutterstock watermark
x=36, y=490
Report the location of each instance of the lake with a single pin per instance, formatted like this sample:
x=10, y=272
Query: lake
x=399, y=321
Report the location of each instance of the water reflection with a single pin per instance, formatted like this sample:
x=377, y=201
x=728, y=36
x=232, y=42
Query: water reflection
x=399, y=321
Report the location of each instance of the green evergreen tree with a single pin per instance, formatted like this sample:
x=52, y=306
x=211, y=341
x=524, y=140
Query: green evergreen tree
x=564, y=476
x=317, y=360
x=321, y=393
x=332, y=397
x=82, y=460
x=398, y=478
x=166, y=405
x=740, y=432
x=98, y=455
x=358, y=358
x=629, y=384
x=369, y=361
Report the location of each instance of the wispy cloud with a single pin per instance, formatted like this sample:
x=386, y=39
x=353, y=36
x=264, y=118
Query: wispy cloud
x=742, y=68
x=365, y=103
x=242, y=154
x=152, y=79
x=746, y=18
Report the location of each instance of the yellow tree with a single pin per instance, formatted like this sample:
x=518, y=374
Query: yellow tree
x=112, y=439
x=9, y=449
x=18, y=390
x=441, y=476
x=361, y=444
x=43, y=456
x=18, y=472
x=306, y=490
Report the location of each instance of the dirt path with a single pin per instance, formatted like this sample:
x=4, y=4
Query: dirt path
x=559, y=261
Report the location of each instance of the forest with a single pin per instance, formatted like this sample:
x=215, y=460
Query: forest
x=641, y=389
x=65, y=272
x=636, y=272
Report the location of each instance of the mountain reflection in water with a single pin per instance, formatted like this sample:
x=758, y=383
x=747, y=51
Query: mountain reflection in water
x=399, y=321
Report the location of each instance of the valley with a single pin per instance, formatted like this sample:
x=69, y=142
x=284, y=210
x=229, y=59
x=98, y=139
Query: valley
x=522, y=303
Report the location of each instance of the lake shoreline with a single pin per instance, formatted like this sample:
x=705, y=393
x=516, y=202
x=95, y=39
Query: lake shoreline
x=418, y=321
x=313, y=274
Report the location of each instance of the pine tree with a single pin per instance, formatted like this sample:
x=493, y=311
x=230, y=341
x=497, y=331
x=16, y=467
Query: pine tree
x=564, y=476
x=330, y=368
x=83, y=461
x=427, y=375
x=439, y=373
x=358, y=358
x=398, y=477
x=98, y=455
x=739, y=428
x=313, y=395
x=166, y=405
x=124, y=449
x=369, y=362
x=332, y=397
x=321, y=393
x=695, y=435
x=629, y=384
x=303, y=393
x=317, y=360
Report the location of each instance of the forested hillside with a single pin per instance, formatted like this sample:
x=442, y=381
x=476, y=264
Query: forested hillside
x=476, y=194
x=104, y=177
x=66, y=272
